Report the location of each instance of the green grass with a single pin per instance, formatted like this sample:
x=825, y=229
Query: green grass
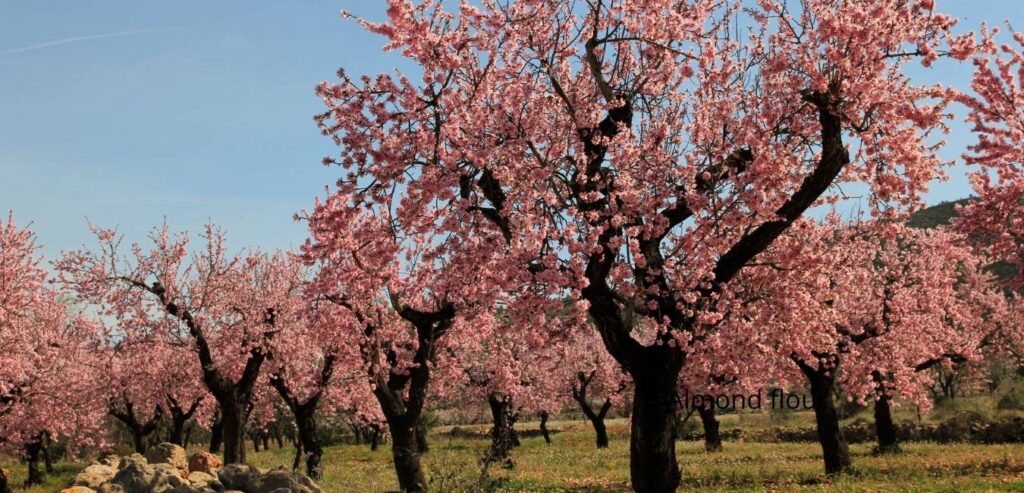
x=572, y=464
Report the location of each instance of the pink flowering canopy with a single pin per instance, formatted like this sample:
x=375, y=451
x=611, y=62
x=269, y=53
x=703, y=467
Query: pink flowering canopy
x=863, y=300
x=49, y=367
x=997, y=113
x=639, y=140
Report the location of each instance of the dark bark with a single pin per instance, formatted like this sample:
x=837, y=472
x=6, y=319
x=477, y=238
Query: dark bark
x=712, y=438
x=579, y=393
x=298, y=454
x=179, y=419
x=139, y=430
x=305, y=416
x=544, y=427
x=834, y=449
x=33, y=451
x=234, y=397
x=375, y=437
x=188, y=435
x=885, y=429
x=232, y=421
x=312, y=448
x=255, y=436
x=5, y=485
x=278, y=436
x=421, y=437
x=405, y=452
x=47, y=460
x=402, y=395
x=217, y=435
x=501, y=432
x=652, y=465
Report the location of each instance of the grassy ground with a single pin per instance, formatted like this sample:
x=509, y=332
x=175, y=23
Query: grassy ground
x=572, y=464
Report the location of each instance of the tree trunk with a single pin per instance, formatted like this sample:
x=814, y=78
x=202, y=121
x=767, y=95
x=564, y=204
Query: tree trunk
x=266, y=440
x=47, y=460
x=501, y=433
x=885, y=429
x=188, y=436
x=421, y=437
x=33, y=450
x=652, y=451
x=138, y=439
x=179, y=418
x=217, y=435
x=277, y=435
x=298, y=454
x=544, y=427
x=712, y=438
x=5, y=485
x=375, y=438
x=405, y=452
x=177, y=433
x=232, y=421
x=255, y=442
x=305, y=421
x=579, y=393
x=833, y=446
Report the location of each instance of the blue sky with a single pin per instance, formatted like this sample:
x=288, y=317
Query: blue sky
x=126, y=112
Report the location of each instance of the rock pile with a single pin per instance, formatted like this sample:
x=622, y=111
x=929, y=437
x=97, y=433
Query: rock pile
x=166, y=468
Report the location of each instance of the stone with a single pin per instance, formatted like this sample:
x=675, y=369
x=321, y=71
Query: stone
x=110, y=488
x=205, y=462
x=168, y=453
x=283, y=479
x=238, y=477
x=94, y=476
x=135, y=458
x=110, y=460
x=141, y=478
x=199, y=478
x=78, y=489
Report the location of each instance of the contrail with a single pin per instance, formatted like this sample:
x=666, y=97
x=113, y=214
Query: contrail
x=64, y=41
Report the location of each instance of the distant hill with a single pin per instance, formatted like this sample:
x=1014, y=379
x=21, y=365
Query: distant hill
x=936, y=215
x=942, y=214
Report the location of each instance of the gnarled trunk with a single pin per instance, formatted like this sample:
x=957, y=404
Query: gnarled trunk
x=305, y=420
x=47, y=460
x=5, y=485
x=833, y=446
x=885, y=429
x=579, y=393
x=421, y=437
x=217, y=435
x=33, y=451
x=544, y=427
x=179, y=419
x=712, y=438
x=652, y=452
x=502, y=437
x=232, y=421
x=138, y=430
x=375, y=437
x=405, y=452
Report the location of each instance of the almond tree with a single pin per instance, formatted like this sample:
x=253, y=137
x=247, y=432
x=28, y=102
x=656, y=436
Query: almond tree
x=595, y=381
x=638, y=156
x=865, y=308
x=307, y=374
x=48, y=358
x=411, y=299
x=222, y=307
x=997, y=113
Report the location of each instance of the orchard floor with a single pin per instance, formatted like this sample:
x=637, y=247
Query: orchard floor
x=573, y=464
